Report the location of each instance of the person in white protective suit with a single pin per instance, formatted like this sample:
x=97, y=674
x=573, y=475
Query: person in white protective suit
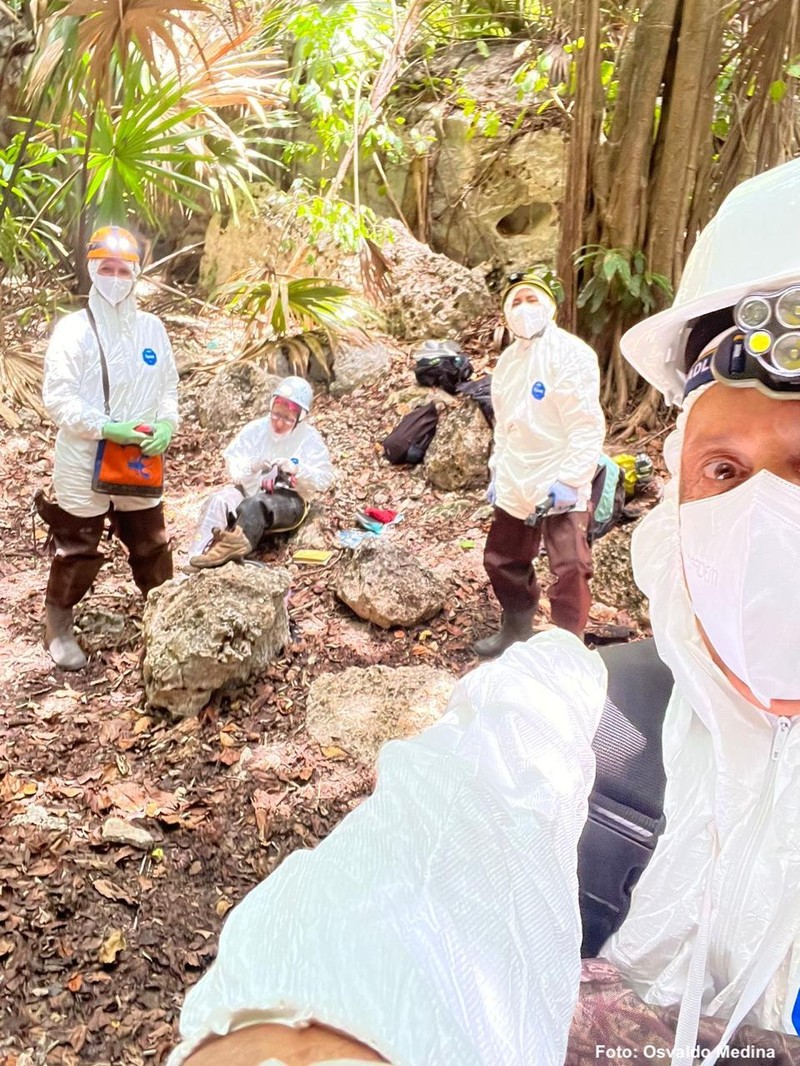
x=109, y=375
x=278, y=464
x=439, y=923
x=548, y=439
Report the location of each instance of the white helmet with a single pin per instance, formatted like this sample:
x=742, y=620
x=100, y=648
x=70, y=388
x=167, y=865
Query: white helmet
x=751, y=245
x=297, y=390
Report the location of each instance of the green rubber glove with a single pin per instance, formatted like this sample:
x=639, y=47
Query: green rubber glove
x=159, y=442
x=124, y=432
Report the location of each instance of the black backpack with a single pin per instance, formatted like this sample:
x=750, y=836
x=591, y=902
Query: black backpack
x=626, y=805
x=480, y=390
x=410, y=438
x=608, y=479
x=442, y=364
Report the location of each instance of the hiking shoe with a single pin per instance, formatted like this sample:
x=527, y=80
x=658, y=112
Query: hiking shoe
x=227, y=544
x=59, y=639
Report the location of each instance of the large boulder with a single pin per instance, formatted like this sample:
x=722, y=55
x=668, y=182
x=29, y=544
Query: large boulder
x=458, y=456
x=355, y=365
x=386, y=585
x=237, y=393
x=432, y=297
x=211, y=630
x=361, y=708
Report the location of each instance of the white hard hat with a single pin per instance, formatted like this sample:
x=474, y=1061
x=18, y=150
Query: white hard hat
x=297, y=390
x=751, y=245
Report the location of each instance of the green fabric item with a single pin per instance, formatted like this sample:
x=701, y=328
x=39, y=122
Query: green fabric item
x=159, y=442
x=123, y=432
x=605, y=505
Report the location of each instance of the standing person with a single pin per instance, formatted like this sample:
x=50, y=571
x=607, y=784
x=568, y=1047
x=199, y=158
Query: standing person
x=548, y=438
x=277, y=465
x=109, y=376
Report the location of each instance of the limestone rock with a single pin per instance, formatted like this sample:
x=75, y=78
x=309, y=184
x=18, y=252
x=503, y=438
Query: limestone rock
x=386, y=585
x=458, y=456
x=238, y=393
x=361, y=708
x=432, y=297
x=357, y=365
x=613, y=574
x=211, y=630
x=118, y=831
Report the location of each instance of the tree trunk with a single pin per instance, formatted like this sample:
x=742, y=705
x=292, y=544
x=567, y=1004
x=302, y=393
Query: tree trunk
x=586, y=121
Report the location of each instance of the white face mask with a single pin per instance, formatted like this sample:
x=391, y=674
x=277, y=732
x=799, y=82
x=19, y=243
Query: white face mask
x=113, y=289
x=741, y=558
x=527, y=320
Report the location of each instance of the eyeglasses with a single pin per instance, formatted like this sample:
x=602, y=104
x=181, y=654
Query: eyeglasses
x=287, y=419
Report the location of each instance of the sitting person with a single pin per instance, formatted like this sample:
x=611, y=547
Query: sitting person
x=439, y=925
x=277, y=464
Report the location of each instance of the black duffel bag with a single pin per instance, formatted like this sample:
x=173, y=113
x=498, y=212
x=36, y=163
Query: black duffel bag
x=409, y=440
x=443, y=365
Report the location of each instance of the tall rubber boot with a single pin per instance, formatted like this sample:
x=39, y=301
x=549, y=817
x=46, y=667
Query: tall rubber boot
x=72, y=571
x=59, y=638
x=145, y=536
x=515, y=626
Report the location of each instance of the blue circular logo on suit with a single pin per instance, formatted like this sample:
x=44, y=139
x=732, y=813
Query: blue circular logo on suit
x=149, y=356
x=538, y=390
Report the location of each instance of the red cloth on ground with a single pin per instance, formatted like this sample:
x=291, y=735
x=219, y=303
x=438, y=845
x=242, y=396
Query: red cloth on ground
x=380, y=516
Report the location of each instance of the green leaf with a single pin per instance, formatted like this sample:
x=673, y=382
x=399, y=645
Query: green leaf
x=777, y=91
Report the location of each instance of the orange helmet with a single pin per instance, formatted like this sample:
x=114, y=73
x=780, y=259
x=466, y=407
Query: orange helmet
x=113, y=242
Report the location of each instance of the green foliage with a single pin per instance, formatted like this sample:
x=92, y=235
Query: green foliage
x=616, y=283
x=27, y=237
x=281, y=305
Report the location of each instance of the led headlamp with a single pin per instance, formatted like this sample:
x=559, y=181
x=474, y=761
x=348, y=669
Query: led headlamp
x=764, y=351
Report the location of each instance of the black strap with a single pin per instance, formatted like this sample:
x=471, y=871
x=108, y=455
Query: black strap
x=626, y=806
x=103, y=363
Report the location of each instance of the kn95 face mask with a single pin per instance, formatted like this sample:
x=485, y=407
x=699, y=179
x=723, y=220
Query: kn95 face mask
x=115, y=290
x=741, y=561
x=527, y=321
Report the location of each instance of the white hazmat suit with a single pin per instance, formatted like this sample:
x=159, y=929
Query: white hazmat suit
x=143, y=384
x=258, y=444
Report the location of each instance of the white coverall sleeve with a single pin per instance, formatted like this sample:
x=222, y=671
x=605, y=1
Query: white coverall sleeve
x=578, y=385
x=439, y=922
x=168, y=404
x=315, y=472
x=64, y=367
x=240, y=454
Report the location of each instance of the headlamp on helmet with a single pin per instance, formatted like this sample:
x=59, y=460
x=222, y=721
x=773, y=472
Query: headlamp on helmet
x=113, y=242
x=528, y=278
x=764, y=350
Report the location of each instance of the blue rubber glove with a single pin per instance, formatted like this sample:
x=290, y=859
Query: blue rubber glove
x=491, y=493
x=159, y=441
x=564, y=497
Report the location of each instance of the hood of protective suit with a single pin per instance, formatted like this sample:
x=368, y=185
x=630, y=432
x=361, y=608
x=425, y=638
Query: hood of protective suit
x=720, y=895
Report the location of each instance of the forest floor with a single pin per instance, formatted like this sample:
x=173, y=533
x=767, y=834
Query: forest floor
x=98, y=941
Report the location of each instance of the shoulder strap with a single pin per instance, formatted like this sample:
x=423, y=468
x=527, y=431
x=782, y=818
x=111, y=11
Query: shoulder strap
x=626, y=806
x=103, y=363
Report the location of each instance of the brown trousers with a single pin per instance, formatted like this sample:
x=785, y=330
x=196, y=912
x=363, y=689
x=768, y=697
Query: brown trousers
x=508, y=557
x=78, y=559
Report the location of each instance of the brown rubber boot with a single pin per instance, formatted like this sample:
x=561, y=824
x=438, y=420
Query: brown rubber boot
x=516, y=626
x=145, y=536
x=59, y=638
x=227, y=545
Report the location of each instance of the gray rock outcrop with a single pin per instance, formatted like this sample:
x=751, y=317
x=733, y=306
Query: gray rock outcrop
x=236, y=394
x=211, y=630
x=361, y=708
x=432, y=297
x=356, y=365
x=386, y=585
x=613, y=574
x=459, y=453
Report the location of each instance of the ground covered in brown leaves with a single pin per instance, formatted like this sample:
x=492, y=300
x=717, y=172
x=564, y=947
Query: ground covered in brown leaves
x=99, y=942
